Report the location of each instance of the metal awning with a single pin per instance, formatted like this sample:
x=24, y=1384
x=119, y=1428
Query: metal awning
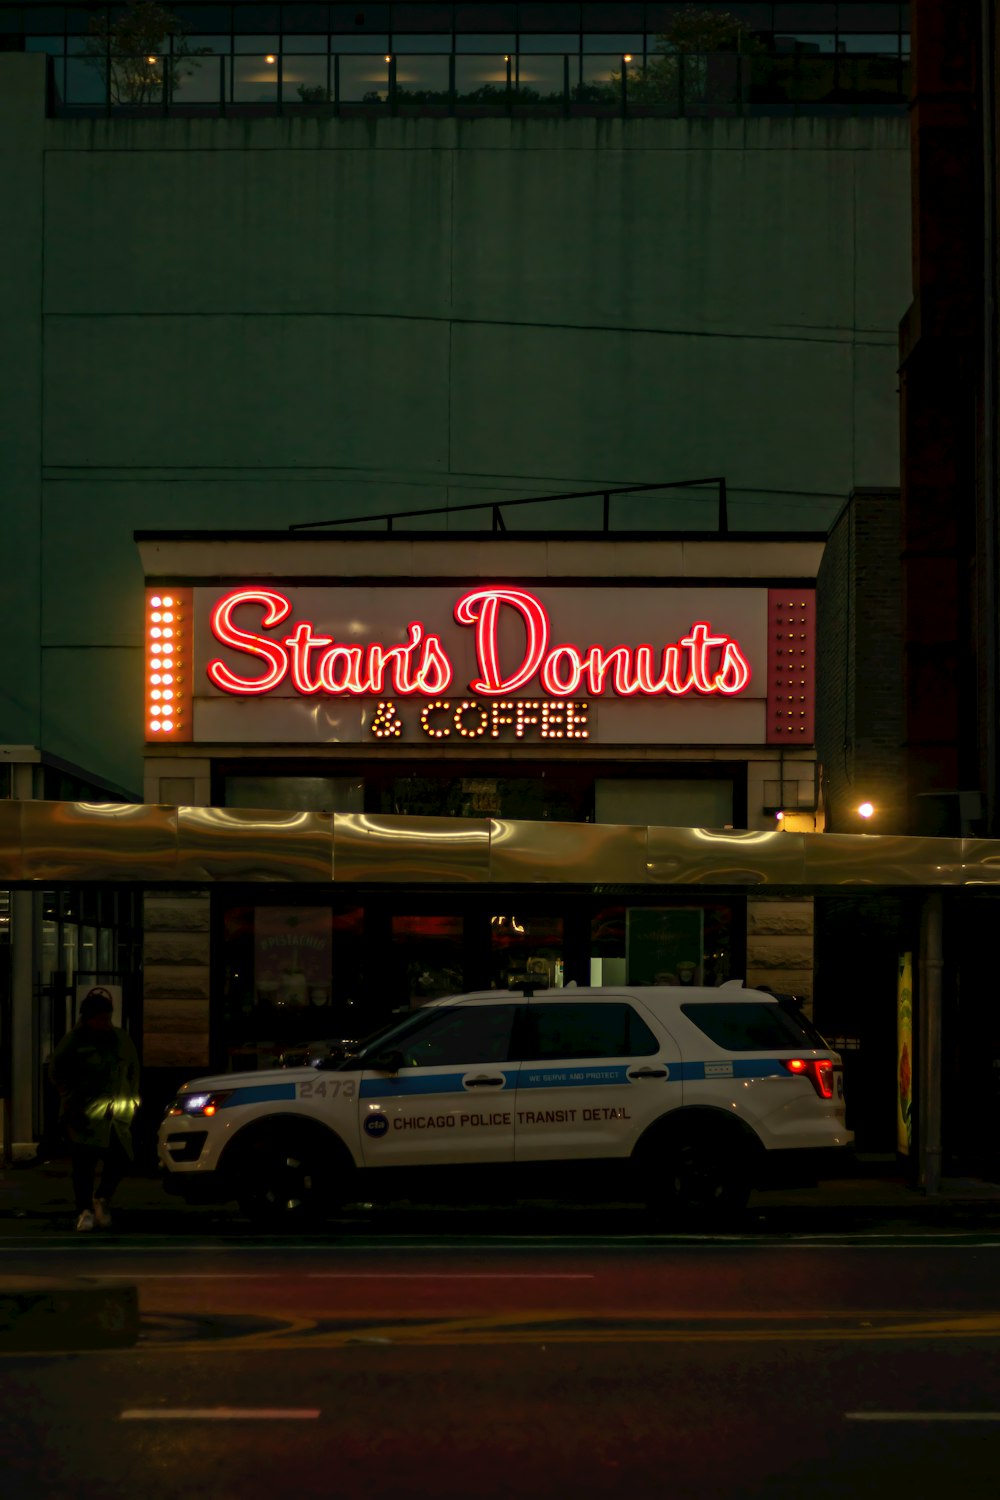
x=58, y=842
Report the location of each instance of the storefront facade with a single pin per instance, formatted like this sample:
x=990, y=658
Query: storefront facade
x=550, y=699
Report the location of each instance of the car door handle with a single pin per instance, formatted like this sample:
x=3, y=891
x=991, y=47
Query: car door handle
x=485, y=1081
x=647, y=1073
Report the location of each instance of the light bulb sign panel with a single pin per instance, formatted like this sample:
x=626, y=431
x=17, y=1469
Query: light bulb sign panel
x=486, y=664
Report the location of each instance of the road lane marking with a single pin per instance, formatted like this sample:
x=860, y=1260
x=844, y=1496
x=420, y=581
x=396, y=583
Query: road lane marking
x=922, y=1416
x=219, y=1414
x=451, y=1276
x=521, y=1244
x=351, y=1276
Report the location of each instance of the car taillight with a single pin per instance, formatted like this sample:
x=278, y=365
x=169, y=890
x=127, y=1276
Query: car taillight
x=819, y=1071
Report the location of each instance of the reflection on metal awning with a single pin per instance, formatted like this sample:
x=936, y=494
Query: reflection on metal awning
x=46, y=842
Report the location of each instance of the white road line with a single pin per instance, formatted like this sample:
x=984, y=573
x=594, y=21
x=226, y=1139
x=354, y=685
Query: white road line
x=218, y=1414
x=922, y=1416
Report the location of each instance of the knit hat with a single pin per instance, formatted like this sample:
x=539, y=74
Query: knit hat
x=94, y=1002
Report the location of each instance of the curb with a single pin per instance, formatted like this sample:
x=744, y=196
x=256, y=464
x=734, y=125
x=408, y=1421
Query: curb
x=40, y=1314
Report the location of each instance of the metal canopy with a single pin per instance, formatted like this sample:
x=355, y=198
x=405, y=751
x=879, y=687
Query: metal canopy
x=57, y=842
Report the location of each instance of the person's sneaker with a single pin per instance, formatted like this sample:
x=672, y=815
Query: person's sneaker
x=85, y=1222
x=102, y=1213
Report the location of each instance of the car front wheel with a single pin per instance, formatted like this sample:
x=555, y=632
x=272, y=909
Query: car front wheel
x=281, y=1184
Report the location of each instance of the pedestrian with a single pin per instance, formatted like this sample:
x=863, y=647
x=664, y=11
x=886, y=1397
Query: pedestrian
x=96, y=1071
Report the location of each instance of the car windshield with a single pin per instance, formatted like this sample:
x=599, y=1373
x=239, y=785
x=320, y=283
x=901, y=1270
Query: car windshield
x=390, y=1037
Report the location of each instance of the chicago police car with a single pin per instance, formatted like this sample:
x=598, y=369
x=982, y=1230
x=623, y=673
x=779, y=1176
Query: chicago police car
x=685, y=1097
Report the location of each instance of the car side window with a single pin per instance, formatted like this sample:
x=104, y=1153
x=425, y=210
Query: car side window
x=749, y=1026
x=467, y=1034
x=603, y=1029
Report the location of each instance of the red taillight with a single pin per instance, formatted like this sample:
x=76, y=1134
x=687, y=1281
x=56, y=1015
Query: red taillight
x=819, y=1071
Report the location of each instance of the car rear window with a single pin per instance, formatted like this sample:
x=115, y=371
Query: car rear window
x=749, y=1026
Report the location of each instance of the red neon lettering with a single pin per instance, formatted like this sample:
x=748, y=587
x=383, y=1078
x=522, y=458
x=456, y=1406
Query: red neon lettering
x=481, y=608
x=618, y=661
x=735, y=673
x=432, y=674
x=551, y=680
x=435, y=673
x=301, y=643
x=699, y=662
x=276, y=608
x=670, y=667
x=700, y=644
x=345, y=660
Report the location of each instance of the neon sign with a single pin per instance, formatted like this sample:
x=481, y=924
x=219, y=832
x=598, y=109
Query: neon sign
x=702, y=662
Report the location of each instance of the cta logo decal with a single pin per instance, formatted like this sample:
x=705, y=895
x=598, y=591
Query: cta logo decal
x=376, y=1125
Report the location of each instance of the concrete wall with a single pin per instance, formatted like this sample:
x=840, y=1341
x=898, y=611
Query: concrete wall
x=242, y=323
x=859, y=669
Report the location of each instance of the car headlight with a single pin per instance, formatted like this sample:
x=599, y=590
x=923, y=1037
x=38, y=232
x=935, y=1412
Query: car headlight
x=199, y=1104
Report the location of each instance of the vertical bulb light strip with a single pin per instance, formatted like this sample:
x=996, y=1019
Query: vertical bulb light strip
x=168, y=665
x=791, y=674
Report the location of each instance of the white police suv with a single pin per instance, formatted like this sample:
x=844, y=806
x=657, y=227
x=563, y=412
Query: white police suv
x=684, y=1097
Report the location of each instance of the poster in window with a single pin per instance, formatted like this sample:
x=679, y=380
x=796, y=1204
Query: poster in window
x=292, y=956
x=664, y=945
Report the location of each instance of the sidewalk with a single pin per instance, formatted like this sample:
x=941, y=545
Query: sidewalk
x=37, y=1198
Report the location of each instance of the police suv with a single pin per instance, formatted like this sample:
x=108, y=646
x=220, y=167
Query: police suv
x=684, y=1097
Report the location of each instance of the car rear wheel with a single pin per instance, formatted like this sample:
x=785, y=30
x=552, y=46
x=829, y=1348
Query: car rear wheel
x=701, y=1177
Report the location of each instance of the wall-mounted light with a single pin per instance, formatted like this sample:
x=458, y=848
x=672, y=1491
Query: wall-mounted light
x=865, y=810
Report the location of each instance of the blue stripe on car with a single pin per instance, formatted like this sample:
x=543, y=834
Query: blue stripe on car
x=572, y=1078
x=536, y=1076
x=261, y=1093
x=429, y=1083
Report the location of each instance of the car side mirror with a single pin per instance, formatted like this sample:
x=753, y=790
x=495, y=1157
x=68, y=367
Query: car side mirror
x=389, y=1062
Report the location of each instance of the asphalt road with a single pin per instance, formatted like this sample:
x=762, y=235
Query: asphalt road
x=584, y=1366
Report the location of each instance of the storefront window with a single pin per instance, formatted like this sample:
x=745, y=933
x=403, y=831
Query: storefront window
x=49, y=951
x=668, y=803
x=677, y=945
x=105, y=952
x=426, y=959
x=292, y=981
x=300, y=793
x=559, y=798
x=70, y=950
x=526, y=951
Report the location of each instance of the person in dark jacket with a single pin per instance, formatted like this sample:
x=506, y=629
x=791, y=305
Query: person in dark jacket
x=96, y=1071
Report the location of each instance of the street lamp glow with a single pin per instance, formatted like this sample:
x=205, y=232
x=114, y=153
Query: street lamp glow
x=865, y=810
